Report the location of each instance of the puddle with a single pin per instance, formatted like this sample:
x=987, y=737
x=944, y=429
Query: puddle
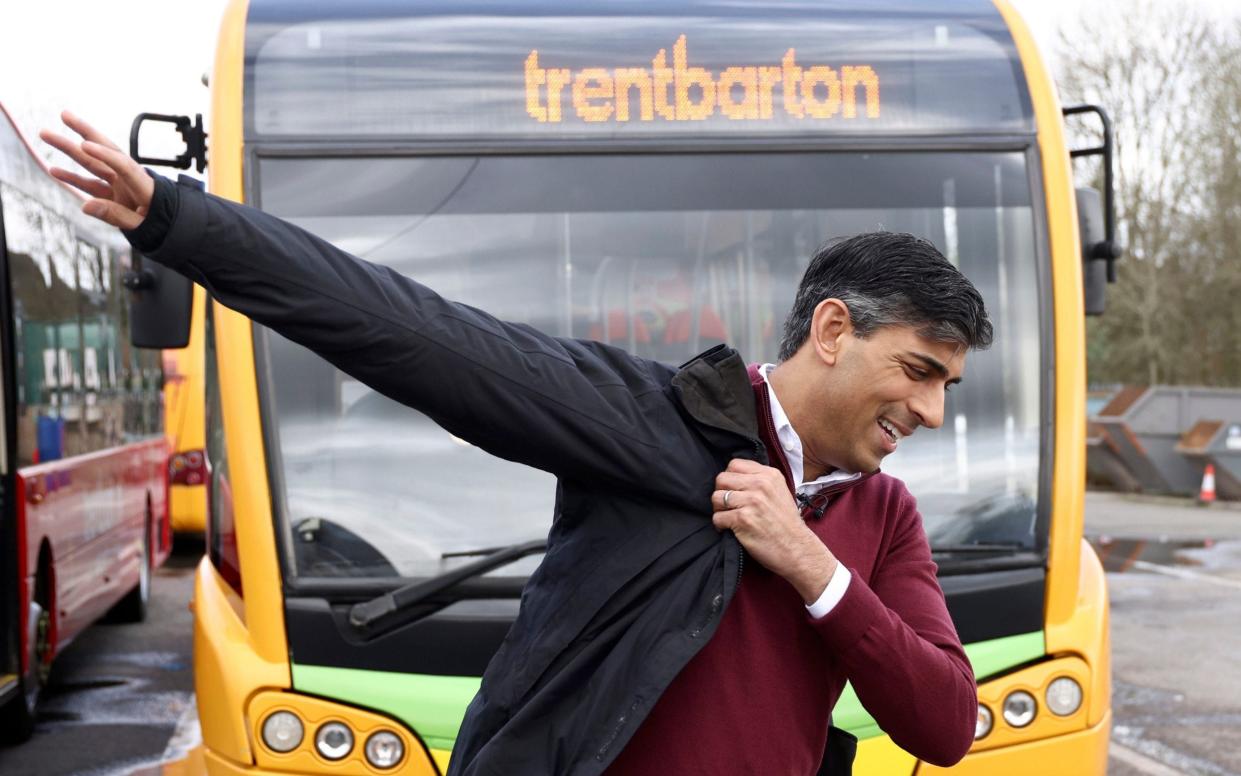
x=1119, y=554
x=167, y=661
x=86, y=684
x=53, y=715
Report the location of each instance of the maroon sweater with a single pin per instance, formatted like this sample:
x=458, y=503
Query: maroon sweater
x=758, y=697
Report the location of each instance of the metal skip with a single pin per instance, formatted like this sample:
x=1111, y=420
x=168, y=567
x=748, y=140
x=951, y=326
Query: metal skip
x=1161, y=438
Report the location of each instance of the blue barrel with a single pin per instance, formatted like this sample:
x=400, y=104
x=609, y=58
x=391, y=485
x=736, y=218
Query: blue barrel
x=51, y=435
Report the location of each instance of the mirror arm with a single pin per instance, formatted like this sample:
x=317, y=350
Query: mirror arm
x=1108, y=250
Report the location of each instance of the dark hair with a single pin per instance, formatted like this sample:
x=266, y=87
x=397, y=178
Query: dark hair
x=886, y=279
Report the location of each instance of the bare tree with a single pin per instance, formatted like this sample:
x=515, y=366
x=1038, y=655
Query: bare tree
x=1163, y=71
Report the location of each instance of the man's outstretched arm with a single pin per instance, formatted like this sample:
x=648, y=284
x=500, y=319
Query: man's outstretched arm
x=578, y=410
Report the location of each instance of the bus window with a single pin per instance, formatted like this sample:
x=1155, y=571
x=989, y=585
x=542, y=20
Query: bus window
x=669, y=259
x=45, y=307
x=221, y=533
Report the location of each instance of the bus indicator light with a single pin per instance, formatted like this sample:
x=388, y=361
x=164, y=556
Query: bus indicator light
x=685, y=93
x=282, y=732
x=384, y=749
x=1020, y=708
x=188, y=468
x=334, y=740
x=1064, y=696
x=982, y=726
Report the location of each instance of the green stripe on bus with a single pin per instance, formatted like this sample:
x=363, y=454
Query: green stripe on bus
x=435, y=705
x=987, y=657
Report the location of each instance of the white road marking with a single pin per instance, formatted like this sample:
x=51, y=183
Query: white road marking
x=1180, y=573
x=1140, y=762
x=186, y=736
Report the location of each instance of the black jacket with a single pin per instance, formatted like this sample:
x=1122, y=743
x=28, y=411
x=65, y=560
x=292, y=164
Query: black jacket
x=635, y=578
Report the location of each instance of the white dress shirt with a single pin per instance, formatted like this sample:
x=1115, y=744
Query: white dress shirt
x=791, y=442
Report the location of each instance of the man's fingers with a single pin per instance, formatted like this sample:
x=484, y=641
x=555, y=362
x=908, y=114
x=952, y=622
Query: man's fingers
x=77, y=154
x=736, y=499
x=67, y=147
x=86, y=130
x=117, y=161
x=722, y=520
x=735, y=481
x=112, y=213
x=92, y=186
x=745, y=465
x=137, y=186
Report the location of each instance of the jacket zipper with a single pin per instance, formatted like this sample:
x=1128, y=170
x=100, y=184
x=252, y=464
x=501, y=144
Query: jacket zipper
x=759, y=454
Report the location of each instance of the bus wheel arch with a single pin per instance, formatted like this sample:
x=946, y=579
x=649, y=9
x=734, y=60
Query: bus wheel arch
x=17, y=719
x=42, y=648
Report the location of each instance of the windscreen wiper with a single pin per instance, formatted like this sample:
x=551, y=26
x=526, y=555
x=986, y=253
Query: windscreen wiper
x=367, y=614
x=964, y=549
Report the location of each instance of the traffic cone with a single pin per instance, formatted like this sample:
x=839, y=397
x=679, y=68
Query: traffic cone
x=1207, y=494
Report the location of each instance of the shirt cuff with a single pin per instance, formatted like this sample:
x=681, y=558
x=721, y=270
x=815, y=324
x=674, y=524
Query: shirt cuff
x=835, y=590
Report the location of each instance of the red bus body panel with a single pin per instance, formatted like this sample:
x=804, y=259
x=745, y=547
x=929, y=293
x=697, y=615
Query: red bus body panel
x=90, y=511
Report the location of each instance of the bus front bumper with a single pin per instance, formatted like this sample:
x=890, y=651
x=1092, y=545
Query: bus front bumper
x=187, y=508
x=1083, y=753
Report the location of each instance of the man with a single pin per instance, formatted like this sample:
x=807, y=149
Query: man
x=651, y=639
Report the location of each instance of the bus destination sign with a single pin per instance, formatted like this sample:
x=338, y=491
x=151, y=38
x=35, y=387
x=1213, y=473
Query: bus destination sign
x=454, y=76
x=682, y=92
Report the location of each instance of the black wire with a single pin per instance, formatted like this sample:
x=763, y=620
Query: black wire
x=428, y=214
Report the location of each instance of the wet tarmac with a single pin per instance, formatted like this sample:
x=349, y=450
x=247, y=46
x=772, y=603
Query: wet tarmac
x=1125, y=554
x=118, y=694
x=1174, y=578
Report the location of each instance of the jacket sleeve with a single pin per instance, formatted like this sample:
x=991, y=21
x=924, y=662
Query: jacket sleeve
x=577, y=409
x=901, y=652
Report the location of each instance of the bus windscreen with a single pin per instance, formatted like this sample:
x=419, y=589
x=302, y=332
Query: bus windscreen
x=559, y=74
x=674, y=254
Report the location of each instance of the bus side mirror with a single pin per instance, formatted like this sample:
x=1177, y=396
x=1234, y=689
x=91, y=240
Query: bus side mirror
x=1096, y=216
x=159, y=305
x=193, y=135
x=1096, y=250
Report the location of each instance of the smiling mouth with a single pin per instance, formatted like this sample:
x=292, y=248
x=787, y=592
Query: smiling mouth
x=891, y=431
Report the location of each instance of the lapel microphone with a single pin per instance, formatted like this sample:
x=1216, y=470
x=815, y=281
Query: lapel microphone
x=817, y=504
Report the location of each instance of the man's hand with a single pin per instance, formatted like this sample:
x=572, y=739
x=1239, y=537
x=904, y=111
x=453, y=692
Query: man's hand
x=761, y=512
x=121, y=192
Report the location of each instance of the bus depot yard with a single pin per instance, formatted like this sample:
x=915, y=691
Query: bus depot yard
x=654, y=178
x=120, y=701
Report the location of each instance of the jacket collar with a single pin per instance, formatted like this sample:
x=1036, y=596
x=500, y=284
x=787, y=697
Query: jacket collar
x=714, y=388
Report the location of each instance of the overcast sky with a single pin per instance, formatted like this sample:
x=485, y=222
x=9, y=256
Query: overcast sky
x=108, y=60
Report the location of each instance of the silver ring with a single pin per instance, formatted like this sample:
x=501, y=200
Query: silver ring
x=727, y=493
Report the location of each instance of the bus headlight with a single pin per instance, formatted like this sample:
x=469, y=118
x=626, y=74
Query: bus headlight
x=1064, y=696
x=1019, y=708
x=983, y=726
x=384, y=749
x=334, y=740
x=283, y=731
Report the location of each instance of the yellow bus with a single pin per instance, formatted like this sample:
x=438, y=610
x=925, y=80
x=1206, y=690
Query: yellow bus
x=654, y=176
x=183, y=366
x=183, y=412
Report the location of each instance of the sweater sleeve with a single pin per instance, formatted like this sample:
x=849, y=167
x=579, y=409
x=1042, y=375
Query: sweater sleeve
x=574, y=408
x=901, y=652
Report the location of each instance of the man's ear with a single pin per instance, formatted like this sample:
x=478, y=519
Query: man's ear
x=829, y=327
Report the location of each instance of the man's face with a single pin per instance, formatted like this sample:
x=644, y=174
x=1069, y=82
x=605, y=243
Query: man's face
x=881, y=390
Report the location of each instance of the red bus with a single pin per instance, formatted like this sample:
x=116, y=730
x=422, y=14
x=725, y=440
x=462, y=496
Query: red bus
x=83, y=459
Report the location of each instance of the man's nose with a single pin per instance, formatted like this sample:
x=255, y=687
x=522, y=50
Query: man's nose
x=928, y=405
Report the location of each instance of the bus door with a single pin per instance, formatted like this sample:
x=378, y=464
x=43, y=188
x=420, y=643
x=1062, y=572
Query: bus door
x=10, y=622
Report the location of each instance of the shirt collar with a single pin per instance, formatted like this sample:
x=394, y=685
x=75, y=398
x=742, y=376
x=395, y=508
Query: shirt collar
x=791, y=442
